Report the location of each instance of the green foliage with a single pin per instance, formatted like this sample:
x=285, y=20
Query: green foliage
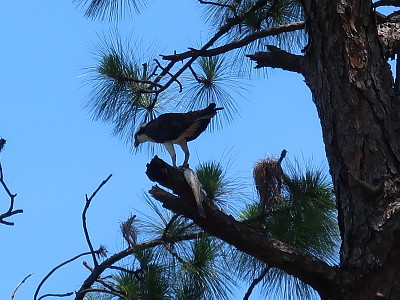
x=218, y=186
x=213, y=80
x=205, y=273
x=109, y=9
x=305, y=219
x=120, y=83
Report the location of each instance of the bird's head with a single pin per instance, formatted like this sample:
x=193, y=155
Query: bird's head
x=140, y=136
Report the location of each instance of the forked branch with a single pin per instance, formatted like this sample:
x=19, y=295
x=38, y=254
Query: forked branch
x=10, y=212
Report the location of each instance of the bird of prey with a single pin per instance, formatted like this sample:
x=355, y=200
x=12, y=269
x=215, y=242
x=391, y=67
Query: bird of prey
x=176, y=128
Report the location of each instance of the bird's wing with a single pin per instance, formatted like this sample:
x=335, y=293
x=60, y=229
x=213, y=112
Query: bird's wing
x=168, y=127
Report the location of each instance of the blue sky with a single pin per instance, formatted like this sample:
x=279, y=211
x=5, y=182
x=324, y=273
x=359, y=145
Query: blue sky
x=55, y=153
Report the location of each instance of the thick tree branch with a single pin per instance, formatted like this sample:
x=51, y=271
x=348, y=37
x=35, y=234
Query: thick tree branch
x=278, y=58
x=239, y=43
x=387, y=3
x=271, y=251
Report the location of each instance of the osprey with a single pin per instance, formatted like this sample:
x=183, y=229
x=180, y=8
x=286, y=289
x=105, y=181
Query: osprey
x=176, y=128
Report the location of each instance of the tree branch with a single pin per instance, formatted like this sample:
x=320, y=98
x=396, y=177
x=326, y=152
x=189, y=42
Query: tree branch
x=255, y=282
x=10, y=212
x=307, y=268
x=99, y=252
x=87, y=204
x=108, y=263
x=17, y=287
x=278, y=58
x=387, y=3
x=230, y=23
x=239, y=43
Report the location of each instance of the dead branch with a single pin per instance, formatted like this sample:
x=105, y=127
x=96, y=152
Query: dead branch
x=56, y=295
x=100, y=251
x=278, y=58
x=21, y=283
x=10, y=212
x=87, y=204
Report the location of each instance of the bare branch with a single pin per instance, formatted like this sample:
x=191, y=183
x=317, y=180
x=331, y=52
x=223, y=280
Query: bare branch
x=21, y=283
x=278, y=58
x=239, y=43
x=115, y=293
x=87, y=204
x=56, y=295
x=255, y=282
x=100, y=251
x=10, y=212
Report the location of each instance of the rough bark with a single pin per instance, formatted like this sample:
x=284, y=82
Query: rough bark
x=352, y=87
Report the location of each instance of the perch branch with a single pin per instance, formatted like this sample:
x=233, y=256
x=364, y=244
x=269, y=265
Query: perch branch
x=308, y=268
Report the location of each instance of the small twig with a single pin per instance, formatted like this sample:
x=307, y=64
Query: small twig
x=21, y=283
x=99, y=251
x=174, y=254
x=100, y=280
x=195, y=75
x=168, y=226
x=10, y=211
x=87, y=204
x=170, y=74
x=56, y=295
x=115, y=293
x=255, y=282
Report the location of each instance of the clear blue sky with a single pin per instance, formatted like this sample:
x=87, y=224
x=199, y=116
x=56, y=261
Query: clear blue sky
x=55, y=154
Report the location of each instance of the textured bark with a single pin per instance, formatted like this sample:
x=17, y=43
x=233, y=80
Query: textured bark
x=353, y=91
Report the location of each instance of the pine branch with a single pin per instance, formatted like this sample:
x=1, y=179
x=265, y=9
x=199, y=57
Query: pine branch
x=108, y=263
x=230, y=23
x=278, y=58
x=239, y=43
x=307, y=268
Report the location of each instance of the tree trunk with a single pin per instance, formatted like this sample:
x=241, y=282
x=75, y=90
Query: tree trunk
x=352, y=88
